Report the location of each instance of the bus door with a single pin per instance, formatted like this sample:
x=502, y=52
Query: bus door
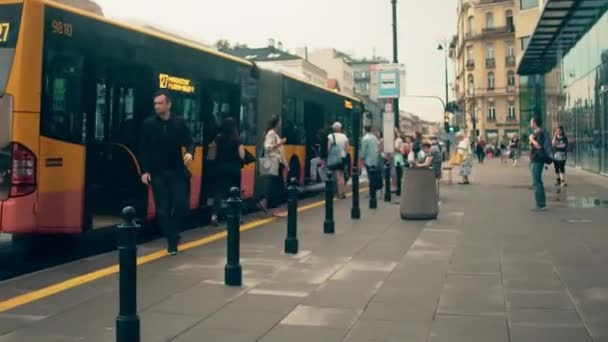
x=315, y=140
x=219, y=101
x=113, y=130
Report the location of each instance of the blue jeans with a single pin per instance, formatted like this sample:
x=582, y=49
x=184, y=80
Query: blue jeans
x=537, y=183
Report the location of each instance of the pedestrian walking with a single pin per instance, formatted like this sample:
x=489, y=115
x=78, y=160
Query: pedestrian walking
x=560, y=147
x=435, y=151
x=538, y=158
x=230, y=155
x=465, y=158
x=273, y=185
x=370, y=157
x=337, y=145
x=514, y=149
x=398, y=160
x=164, y=167
x=480, y=150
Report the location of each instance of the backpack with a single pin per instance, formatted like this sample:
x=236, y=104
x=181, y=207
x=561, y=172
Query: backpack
x=334, y=157
x=547, y=150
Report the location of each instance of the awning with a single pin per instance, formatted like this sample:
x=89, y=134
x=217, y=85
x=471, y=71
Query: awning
x=561, y=25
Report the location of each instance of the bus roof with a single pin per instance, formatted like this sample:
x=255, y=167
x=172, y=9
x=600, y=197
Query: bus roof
x=286, y=73
x=184, y=42
x=147, y=31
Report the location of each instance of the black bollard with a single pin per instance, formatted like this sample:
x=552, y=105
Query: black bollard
x=232, y=272
x=291, y=242
x=387, y=181
x=127, y=321
x=355, y=212
x=328, y=225
x=399, y=172
x=373, y=173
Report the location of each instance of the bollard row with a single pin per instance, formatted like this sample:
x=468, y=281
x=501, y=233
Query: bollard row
x=127, y=321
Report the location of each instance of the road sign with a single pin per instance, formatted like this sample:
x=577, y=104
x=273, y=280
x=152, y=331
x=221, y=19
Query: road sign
x=387, y=81
x=388, y=84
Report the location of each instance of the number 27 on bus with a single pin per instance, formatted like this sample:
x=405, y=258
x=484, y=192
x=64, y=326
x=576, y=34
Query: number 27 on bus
x=4, y=29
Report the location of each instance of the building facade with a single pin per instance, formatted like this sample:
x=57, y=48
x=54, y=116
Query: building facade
x=363, y=83
x=566, y=68
x=484, y=53
x=362, y=69
x=337, y=65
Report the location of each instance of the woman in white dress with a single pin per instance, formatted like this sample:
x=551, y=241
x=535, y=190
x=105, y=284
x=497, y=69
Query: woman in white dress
x=465, y=152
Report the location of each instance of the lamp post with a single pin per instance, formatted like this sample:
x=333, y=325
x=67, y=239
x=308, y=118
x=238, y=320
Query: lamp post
x=444, y=47
x=395, y=59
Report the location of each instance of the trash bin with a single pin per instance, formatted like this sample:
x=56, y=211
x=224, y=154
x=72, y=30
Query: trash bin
x=419, y=199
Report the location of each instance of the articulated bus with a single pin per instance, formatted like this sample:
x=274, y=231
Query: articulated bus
x=75, y=88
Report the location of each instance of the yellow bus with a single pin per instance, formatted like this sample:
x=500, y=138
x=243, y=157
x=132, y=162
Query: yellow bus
x=74, y=90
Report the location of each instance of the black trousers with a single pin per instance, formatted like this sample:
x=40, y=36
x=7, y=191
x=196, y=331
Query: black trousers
x=171, y=199
x=560, y=166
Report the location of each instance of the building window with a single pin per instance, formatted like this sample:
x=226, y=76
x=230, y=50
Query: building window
x=490, y=51
x=491, y=111
x=491, y=80
x=511, y=78
x=469, y=53
x=525, y=4
x=471, y=83
x=511, y=111
x=489, y=20
x=509, y=21
x=510, y=49
x=471, y=25
x=524, y=42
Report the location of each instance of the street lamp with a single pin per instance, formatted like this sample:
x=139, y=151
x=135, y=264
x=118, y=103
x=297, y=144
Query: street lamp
x=395, y=59
x=439, y=48
x=446, y=119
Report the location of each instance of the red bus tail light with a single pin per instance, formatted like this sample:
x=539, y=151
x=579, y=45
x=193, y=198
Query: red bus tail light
x=23, y=171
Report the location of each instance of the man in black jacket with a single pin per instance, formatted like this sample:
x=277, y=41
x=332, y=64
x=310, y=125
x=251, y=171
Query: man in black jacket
x=164, y=167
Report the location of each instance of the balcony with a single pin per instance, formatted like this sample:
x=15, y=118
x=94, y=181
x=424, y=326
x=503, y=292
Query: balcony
x=510, y=89
x=491, y=88
x=470, y=64
x=490, y=63
x=510, y=61
x=496, y=30
x=511, y=118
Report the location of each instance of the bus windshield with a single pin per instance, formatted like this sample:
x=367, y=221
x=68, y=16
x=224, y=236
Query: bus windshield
x=10, y=19
x=6, y=61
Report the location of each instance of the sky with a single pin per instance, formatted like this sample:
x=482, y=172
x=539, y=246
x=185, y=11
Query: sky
x=358, y=27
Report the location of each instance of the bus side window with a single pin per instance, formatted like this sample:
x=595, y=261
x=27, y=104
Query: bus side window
x=62, y=113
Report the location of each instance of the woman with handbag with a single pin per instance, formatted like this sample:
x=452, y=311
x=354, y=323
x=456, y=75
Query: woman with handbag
x=228, y=158
x=560, y=146
x=272, y=166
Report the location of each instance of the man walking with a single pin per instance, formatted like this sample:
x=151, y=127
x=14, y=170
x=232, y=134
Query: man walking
x=369, y=156
x=537, y=160
x=163, y=166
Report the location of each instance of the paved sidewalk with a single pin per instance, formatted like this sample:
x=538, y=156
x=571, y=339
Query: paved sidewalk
x=488, y=269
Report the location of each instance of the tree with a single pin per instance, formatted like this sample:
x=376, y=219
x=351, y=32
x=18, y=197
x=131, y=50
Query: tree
x=222, y=44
